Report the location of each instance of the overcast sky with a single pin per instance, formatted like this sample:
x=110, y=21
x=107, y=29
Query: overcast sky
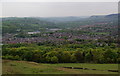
x=58, y=9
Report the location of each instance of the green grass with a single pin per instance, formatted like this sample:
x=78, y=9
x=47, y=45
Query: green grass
x=0, y=67
x=25, y=67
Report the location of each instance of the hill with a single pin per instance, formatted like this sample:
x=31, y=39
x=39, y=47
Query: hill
x=16, y=24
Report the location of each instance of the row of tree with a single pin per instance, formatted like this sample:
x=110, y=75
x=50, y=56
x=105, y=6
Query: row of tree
x=51, y=54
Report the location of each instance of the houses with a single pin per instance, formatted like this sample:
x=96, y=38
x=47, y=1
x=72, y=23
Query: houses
x=87, y=32
x=35, y=32
x=55, y=37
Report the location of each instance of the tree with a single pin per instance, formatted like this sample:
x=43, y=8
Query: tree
x=110, y=55
x=79, y=56
x=54, y=59
x=66, y=56
x=73, y=58
x=89, y=56
x=51, y=57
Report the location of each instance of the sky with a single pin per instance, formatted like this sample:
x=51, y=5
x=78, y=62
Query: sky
x=57, y=9
x=59, y=0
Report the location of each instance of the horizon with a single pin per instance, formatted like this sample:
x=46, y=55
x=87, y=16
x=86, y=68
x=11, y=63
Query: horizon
x=58, y=16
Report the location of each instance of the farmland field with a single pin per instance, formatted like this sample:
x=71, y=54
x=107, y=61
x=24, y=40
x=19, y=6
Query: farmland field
x=25, y=67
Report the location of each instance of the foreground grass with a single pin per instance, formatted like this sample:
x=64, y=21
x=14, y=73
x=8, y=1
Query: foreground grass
x=25, y=67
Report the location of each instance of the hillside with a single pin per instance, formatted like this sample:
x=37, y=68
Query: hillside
x=16, y=24
x=13, y=25
x=25, y=67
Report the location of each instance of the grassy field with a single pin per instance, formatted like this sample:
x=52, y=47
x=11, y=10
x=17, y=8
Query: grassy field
x=25, y=67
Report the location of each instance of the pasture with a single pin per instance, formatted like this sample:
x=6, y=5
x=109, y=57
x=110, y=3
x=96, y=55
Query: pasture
x=26, y=67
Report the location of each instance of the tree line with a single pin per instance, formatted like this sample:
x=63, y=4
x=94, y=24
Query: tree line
x=68, y=53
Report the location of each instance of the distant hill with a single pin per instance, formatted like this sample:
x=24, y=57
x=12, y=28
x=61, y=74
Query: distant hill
x=62, y=19
x=112, y=16
x=12, y=25
x=15, y=24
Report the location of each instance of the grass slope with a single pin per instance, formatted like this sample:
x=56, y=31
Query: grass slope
x=25, y=67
